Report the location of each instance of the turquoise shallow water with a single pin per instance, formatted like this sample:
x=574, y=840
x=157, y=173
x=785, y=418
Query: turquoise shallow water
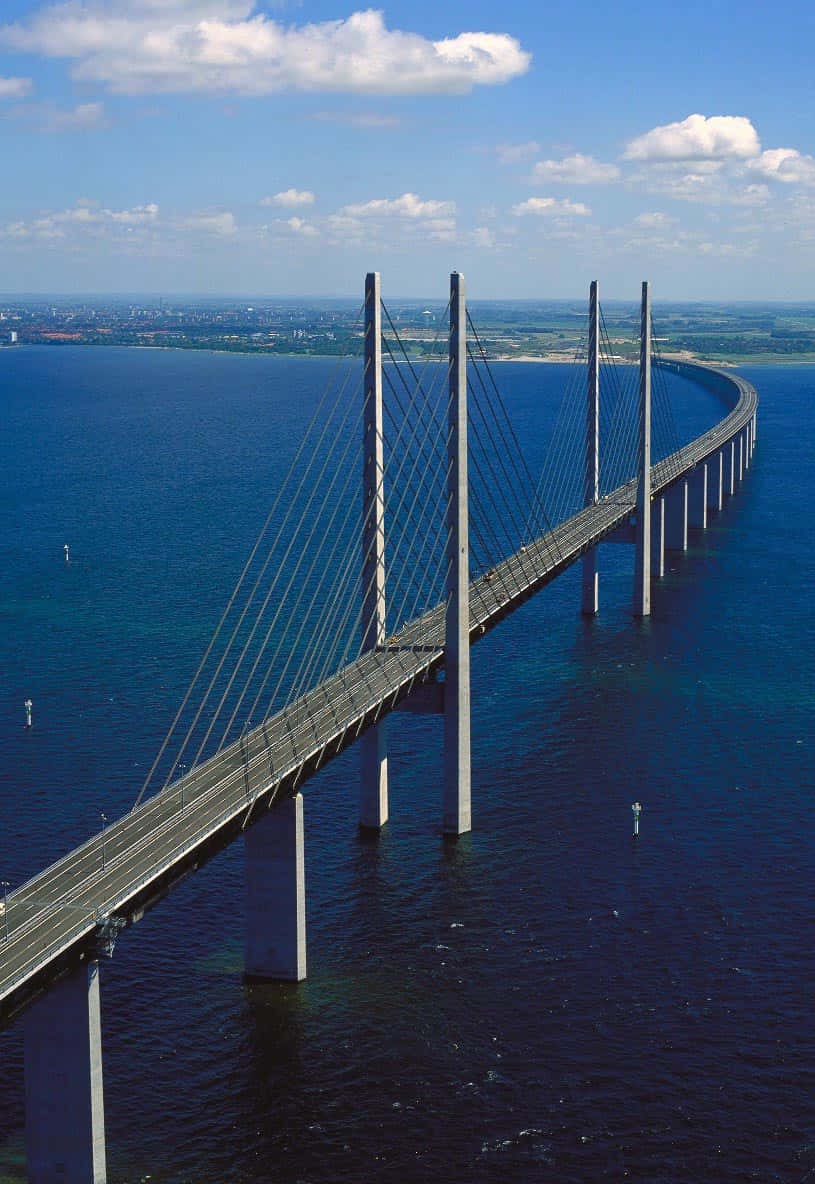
x=544, y=1000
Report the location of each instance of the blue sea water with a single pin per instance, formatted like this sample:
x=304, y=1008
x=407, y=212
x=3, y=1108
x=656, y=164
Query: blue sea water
x=544, y=999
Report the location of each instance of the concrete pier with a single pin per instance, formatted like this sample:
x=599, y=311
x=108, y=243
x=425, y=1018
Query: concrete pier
x=276, y=894
x=730, y=468
x=676, y=517
x=697, y=497
x=457, y=810
x=715, y=482
x=64, y=1107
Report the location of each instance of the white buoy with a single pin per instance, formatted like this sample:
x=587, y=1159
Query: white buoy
x=67, y=556
x=637, y=809
x=28, y=706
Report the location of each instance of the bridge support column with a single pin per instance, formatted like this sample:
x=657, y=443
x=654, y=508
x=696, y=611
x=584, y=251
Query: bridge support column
x=658, y=538
x=676, y=517
x=740, y=456
x=457, y=817
x=697, y=497
x=373, y=759
x=591, y=492
x=276, y=894
x=747, y=448
x=715, y=482
x=730, y=468
x=642, y=541
x=64, y=1108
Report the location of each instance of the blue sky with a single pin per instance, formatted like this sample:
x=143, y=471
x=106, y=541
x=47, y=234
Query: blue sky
x=226, y=146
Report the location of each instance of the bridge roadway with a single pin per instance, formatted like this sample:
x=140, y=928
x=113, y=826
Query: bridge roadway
x=55, y=917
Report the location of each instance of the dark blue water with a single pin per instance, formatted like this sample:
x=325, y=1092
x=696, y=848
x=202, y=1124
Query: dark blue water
x=543, y=1000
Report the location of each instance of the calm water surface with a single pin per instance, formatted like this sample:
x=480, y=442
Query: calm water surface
x=543, y=1000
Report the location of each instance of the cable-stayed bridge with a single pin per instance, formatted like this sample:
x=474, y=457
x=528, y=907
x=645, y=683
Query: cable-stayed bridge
x=409, y=525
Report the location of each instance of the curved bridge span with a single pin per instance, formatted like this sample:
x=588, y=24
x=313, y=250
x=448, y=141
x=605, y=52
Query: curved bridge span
x=61, y=915
x=54, y=928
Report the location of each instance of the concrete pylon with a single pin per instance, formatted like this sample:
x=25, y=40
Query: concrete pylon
x=591, y=489
x=373, y=811
x=642, y=541
x=457, y=816
x=64, y=1105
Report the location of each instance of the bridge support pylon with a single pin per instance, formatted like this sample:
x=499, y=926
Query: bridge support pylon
x=591, y=490
x=715, y=485
x=457, y=815
x=373, y=759
x=698, y=497
x=276, y=894
x=64, y=1106
x=642, y=541
x=676, y=517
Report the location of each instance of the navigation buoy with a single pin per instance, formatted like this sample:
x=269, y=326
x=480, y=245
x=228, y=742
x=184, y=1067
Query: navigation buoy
x=637, y=809
x=67, y=556
x=28, y=706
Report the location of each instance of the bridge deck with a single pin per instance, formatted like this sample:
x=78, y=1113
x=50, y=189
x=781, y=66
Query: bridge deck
x=55, y=915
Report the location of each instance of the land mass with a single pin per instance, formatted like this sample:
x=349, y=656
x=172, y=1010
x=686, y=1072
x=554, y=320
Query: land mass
x=524, y=330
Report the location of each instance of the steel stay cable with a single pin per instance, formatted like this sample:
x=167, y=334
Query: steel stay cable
x=265, y=565
x=282, y=489
x=404, y=528
x=619, y=413
x=353, y=543
x=338, y=638
x=400, y=426
x=346, y=575
x=502, y=482
x=279, y=680
x=523, y=481
x=316, y=555
x=569, y=427
x=329, y=456
x=552, y=475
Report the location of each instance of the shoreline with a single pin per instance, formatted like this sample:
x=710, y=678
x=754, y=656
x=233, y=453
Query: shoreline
x=536, y=359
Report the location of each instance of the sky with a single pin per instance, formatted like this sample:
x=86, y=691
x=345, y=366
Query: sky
x=286, y=147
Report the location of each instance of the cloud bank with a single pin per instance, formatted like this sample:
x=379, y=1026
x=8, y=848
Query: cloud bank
x=144, y=46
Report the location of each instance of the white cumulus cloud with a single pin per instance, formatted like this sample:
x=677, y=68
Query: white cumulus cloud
x=15, y=88
x=143, y=46
x=784, y=164
x=406, y=206
x=547, y=206
x=290, y=198
x=699, y=137
x=575, y=170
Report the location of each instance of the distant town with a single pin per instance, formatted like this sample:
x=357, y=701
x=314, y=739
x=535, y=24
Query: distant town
x=545, y=330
